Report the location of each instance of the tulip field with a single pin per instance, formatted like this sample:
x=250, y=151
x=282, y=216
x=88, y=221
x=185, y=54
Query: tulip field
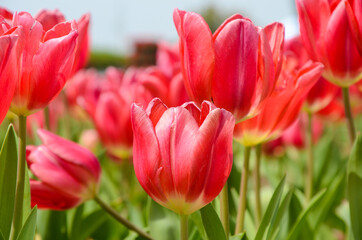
x=238, y=133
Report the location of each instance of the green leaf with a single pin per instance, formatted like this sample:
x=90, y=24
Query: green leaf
x=75, y=226
x=212, y=223
x=164, y=224
x=28, y=230
x=283, y=209
x=240, y=236
x=26, y=202
x=271, y=211
x=91, y=222
x=8, y=173
x=2, y=236
x=302, y=218
x=354, y=184
x=53, y=225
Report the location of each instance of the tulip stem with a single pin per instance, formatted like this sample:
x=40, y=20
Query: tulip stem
x=20, y=182
x=348, y=113
x=258, y=209
x=184, y=227
x=310, y=159
x=224, y=209
x=47, y=118
x=121, y=219
x=242, y=197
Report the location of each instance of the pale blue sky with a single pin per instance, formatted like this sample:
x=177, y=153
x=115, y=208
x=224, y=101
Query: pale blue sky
x=116, y=23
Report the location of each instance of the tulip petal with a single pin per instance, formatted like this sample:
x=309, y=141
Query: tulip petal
x=71, y=152
x=45, y=197
x=146, y=154
x=48, y=79
x=155, y=110
x=236, y=49
x=212, y=156
x=196, y=53
x=49, y=18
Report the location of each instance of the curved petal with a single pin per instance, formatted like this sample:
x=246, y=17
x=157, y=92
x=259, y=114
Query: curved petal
x=212, y=156
x=45, y=197
x=71, y=152
x=9, y=58
x=49, y=18
x=196, y=53
x=234, y=82
x=155, y=110
x=146, y=154
x=51, y=68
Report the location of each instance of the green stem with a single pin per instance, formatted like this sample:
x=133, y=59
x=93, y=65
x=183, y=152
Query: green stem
x=242, y=197
x=310, y=159
x=47, y=118
x=224, y=209
x=20, y=182
x=258, y=209
x=184, y=227
x=121, y=219
x=348, y=113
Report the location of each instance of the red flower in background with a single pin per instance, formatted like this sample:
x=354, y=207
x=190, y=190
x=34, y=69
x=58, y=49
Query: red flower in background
x=182, y=156
x=236, y=67
x=67, y=173
x=331, y=32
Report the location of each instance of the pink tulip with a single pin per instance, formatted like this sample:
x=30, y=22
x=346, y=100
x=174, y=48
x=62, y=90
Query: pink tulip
x=46, y=61
x=282, y=107
x=182, y=156
x=236, y=67
x=331, y=31
x=9, y=61
x=67, y=173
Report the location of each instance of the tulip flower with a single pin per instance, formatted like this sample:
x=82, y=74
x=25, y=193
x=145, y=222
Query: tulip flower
x=331, y=32
x=46, y=62
x=49, y=18
x=323, y=92
x=236, y=67
x=282, y=108
x=67, y=173
x=182, y=156
x=9, y=59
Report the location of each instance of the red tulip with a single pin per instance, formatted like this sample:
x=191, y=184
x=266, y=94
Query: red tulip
x=182, y=156
x=331, y=32
x=323, y=92
x=46, y=62
x=282, y=107
x=9, y=60
x=50, y=18
x=67, y=173
x=236, y=67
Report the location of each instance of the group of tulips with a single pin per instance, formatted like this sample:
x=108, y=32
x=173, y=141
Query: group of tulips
x=175, y=121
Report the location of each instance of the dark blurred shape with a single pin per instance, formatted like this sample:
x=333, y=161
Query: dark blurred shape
x=145, y=53
x=213, y=17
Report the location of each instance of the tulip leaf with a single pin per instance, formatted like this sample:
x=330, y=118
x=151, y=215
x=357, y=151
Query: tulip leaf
x=271, y=211
x=8, y=173
x=52, y=225
x=240, y=236
x=76, y=220
x=212, y=223
x=164, y=224
x=354, y=184
x=302, y=218
x=91, y=222
x=2, y=236
x=284, y=206
x=28, y=230
x=26, y=201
